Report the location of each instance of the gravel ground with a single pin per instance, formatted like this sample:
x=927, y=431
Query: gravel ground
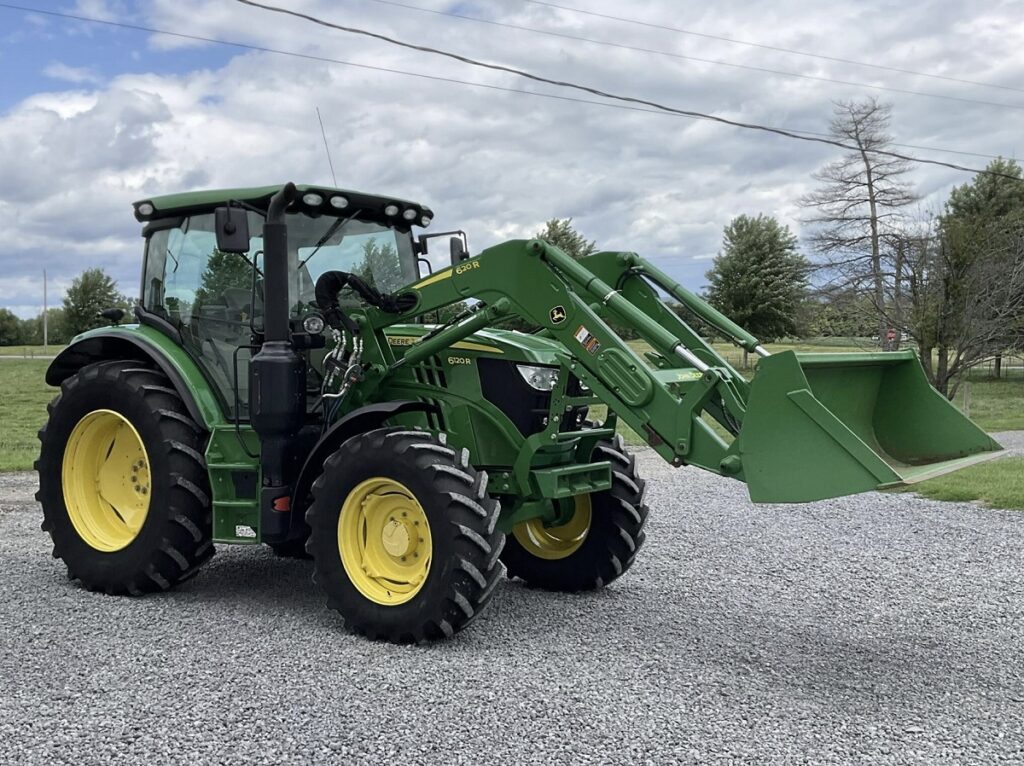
x=871, y=629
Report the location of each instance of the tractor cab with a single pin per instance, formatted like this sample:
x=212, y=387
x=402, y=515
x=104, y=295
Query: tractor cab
x=213, y=294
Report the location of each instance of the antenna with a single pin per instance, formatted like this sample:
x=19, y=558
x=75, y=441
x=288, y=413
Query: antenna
x=323, y=133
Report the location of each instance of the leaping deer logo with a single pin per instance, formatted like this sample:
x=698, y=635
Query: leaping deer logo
x=557, y=315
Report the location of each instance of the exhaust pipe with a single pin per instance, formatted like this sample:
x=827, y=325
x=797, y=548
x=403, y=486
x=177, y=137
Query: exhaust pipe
x=277, y=377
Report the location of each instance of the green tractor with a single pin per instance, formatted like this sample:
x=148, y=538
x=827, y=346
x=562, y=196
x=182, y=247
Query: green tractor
x=293, y=379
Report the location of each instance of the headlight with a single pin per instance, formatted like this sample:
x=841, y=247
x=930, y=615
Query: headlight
x=391, y=211
x=146, y=208
x=313, y=199
x=409, y=214
x=339, y=202
x=313, y=324
x=540, y=378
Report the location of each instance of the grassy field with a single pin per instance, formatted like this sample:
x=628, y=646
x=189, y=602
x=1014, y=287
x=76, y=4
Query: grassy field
x=999, y=484
x=22, y=411
x=30, y=351
x=995, y=405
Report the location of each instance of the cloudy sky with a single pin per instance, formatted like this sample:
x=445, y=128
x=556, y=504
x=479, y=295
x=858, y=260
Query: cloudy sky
x=93, y=117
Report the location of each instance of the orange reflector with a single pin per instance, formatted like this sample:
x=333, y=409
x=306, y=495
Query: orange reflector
x=283, y=504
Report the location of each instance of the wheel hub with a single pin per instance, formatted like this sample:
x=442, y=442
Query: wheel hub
x=384, y=541
x=396, y=539
x=559, y=540
x=106, y=480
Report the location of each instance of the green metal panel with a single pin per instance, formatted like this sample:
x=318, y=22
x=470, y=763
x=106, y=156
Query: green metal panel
x=235, y=484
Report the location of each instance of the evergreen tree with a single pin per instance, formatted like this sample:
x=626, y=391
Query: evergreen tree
x=560, y=233
x=758, y=279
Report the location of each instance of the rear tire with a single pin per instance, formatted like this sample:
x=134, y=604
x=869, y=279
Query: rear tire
x=585, y=555
x=404, y=536
x=123, y=482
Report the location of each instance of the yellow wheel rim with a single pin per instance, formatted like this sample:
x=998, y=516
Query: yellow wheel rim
x=556, y=542
x=384, y=541
x=106, y=480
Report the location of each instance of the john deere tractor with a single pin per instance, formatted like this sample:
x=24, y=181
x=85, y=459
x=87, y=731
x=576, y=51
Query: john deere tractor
x=296, y=376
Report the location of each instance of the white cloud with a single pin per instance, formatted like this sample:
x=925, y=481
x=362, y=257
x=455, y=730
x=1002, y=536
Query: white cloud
x=75, y=75
x=495, y=164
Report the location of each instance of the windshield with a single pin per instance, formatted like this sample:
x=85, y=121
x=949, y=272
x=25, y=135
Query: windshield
x=378, y=254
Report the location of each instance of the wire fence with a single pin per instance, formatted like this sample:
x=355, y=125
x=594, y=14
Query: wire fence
x=1005, y=367
x=1009, y=367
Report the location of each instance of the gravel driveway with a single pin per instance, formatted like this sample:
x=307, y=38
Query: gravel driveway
x=872, y=629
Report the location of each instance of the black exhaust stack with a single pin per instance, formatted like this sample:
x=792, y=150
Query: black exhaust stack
x=277, y=378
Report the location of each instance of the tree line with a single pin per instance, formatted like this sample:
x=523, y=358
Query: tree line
x=90, y=292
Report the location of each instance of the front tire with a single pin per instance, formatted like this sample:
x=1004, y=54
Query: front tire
x=404, y=536
x=123, y=482
x=598, y=543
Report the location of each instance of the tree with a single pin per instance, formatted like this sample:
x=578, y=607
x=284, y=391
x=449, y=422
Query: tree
x=10, y=329
x=966, y=276
x=841, y=315
x=91, y=292
x=380, y=266
x=560, y=233
x=223, y=271
x=758, y=279
x=32, y=329
x=858, y=208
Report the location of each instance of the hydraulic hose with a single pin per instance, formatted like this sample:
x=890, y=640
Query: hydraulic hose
x=331, y=283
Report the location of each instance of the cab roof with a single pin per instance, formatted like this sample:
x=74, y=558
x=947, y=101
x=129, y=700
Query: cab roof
x=332, y=202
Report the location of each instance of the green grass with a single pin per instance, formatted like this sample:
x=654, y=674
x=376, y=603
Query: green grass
x=998, y=483
x=30, y=351
x=22, y=411
x=996, y=405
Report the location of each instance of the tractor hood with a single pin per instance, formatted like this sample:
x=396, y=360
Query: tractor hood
x=512, y=345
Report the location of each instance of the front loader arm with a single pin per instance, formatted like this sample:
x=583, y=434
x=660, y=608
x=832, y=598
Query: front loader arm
x=662, y=401
x=807, y=427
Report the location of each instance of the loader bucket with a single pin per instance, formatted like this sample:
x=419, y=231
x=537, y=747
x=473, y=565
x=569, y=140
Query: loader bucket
x=826, y=425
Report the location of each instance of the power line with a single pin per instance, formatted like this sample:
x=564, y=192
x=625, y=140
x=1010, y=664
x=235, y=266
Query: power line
x=671, y=54
x=420, y=75
x=613, y=96
x=780, y=49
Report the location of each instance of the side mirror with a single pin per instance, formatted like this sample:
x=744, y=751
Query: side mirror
x=232, y=226
x=112, y=315
x=458, y=250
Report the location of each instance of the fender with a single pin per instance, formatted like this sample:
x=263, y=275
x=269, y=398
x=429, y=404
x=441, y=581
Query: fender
x=354, y=423
x=145, y=345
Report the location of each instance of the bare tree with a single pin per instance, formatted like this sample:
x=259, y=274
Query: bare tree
x=857, y=211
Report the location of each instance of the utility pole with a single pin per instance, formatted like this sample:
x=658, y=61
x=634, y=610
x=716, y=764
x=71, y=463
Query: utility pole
x=46, y=318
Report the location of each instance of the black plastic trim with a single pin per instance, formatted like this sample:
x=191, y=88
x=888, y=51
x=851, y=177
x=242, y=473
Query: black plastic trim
x=157, y=322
